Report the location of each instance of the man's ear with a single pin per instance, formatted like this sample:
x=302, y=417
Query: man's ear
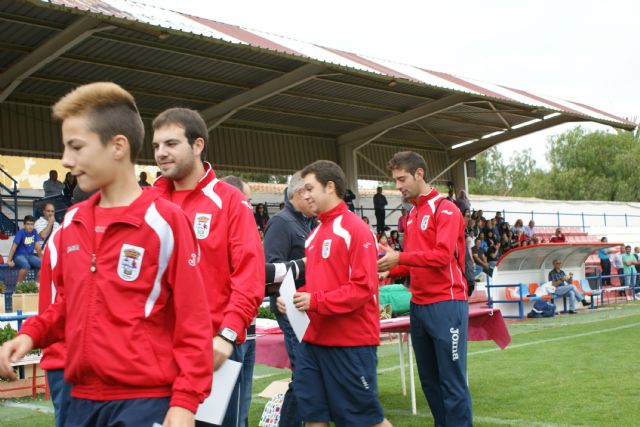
x=330, y=187
x=198, y=146
x=120, y=147
x=419, y=174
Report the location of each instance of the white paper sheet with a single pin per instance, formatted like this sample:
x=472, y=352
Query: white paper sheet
x=214, y=407
x=298, y=319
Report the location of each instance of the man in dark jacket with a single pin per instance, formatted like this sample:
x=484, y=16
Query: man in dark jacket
x=379, y=202
x=284, y=239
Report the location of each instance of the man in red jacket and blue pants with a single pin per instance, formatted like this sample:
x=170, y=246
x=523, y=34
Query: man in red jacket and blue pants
x=433, y=256
x=129, y=296
x=232, y=264
x=336, y=377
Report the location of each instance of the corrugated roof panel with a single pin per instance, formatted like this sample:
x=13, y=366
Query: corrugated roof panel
x=22, y=35
x=321, y=107
x=300, y=122
x=381, y=154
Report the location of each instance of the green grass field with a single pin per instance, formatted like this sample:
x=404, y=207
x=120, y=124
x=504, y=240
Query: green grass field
x=567, y=371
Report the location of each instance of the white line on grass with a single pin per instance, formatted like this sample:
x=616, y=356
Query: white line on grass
x=526, y=344
x=566, y=337
x=33, y=407
x=488, y=420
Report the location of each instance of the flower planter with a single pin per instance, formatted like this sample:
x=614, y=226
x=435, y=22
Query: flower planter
x=25, y=302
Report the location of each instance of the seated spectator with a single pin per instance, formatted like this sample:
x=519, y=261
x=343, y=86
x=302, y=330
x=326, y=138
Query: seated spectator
x=499, y=219
x=261, y=216
x=493, y=226
x=480, y=259
x=462, y=202
x=490, y=238
x=70, y=183
x=558, y=237
x=517, y=226
x=519, y=239
x=46, y=224
x=483, y=241
x=493, y=254
x=629, y=261
x=564, y=287
x=21, y=254
x=52, y=187
x=529, y=229
x=503, y=228
x=535, y=240
x=394, y=241
x=505, y=243
x=481, y=216
x=143, y=180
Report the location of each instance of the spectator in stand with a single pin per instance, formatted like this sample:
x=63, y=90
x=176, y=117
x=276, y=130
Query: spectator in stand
x=605, y=263
x=349, y=197
x=493, y=226
x=473, y=227
x=379, y=202
x=493, y=254
x=490, y=238
x=69, y=185
x=517, y=226
x=402, y=223
x=535, y=240
x=564, y=287
x=25, y=243
x=483, y=241
x=462, y=202
x=80, y=195
x=616, y=262
x=47, y=224
x=629, y=261
x=519, y=239
x=261, y=216
x=558, y=237
x=499, y=219
x=636, y=253
x=505, y=243
x=52, y=187
x=143, y=180
x=481, y=216
x=480, y=258
x=394, y=241
x=529, y=229
x=503, y=229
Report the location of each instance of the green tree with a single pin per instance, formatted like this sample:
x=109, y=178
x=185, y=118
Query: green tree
x=491, y=174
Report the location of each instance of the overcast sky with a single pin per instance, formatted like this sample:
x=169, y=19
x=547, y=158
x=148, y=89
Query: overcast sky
x=584, y=51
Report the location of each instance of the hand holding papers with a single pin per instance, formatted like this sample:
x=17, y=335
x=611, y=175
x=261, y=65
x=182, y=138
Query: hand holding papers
x=298, y=319
x=214, y=407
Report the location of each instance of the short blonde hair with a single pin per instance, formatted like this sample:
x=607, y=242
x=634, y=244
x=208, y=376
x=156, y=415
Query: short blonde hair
x=110, y=111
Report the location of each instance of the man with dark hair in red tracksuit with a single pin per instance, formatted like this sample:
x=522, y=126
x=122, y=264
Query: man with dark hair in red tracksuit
x=336, y=378
x=434, y=253
x=232, y=265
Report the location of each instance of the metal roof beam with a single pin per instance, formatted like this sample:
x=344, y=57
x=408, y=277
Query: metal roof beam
x=65, y=40
x=470, y=150
x=381, y=127
x=217, y=114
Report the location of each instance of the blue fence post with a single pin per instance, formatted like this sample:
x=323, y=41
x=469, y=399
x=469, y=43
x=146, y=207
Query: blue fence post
x=19, y=320
x=604, y=215
x=531, y=215
x=582, y=214
x=625, y=220
x=558, y=215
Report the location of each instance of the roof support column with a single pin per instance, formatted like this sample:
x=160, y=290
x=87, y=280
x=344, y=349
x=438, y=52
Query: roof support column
x=348, y=160
x=56, y=46
x=459, y=177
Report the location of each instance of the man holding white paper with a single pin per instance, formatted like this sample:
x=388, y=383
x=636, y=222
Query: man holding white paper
x=336, y=378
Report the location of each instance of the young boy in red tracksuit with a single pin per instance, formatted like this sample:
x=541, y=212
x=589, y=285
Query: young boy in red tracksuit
x=336, y=377
x=130, y=300
x=434, y=253
x=232, y=257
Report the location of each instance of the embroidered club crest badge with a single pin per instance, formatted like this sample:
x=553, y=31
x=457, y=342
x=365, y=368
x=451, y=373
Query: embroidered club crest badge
x=202, y=225
x=326, y=248
x=425, y=222
x=130, y=262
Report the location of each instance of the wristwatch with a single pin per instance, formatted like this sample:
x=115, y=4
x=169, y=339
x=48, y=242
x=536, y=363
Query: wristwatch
x=228, y=335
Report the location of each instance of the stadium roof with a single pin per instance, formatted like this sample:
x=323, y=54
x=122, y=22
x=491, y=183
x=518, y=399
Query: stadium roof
x=272, y=103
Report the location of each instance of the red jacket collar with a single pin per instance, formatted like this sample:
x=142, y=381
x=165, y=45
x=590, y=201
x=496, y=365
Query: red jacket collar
x=424, y=198
x=166, y=186
x=134, y=215
x=340, y=209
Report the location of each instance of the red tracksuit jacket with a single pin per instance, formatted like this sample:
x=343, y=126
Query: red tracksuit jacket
x=137, y=327
x=52, y=356
x=429, y=247
x=342, y=277
x=232, y=259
